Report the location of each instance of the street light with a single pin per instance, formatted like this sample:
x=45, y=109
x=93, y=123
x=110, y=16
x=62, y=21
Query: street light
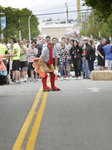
x=29, y=27
x=19, y=31
x=6, y=26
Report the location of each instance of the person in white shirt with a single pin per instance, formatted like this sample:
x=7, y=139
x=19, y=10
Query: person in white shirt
x=47, y=41
x=68, y=46
x=57, y=47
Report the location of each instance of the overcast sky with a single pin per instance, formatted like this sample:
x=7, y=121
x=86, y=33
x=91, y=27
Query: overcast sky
x=43, y=6
x=31, y=3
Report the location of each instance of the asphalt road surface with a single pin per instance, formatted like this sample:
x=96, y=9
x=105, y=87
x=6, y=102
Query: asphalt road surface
x=79, y=117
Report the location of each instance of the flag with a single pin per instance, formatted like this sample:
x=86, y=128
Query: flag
x=3, y=23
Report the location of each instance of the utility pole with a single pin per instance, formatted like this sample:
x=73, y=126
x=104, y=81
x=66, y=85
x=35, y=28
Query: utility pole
x=19, y=31
x=85, y=25
x=93, y=18
x=29, y=30
x=87, y=17
x=66, y=12
x=78, y=11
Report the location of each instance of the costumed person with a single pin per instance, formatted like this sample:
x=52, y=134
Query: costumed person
x=44, y=65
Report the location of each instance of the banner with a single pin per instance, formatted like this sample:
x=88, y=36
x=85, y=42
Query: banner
x=3, y=23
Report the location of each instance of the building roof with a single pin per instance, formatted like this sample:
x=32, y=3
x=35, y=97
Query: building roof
x=58, y=26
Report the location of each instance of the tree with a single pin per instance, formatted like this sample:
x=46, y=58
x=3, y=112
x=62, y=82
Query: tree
x=18, y=20
x=106, y=30
x=103, y=8
x=102, y=16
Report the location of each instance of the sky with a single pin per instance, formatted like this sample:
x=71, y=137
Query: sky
x=30, y=3
x=43, y=6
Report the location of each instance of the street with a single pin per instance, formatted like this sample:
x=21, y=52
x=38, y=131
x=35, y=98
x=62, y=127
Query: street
x=79, y=117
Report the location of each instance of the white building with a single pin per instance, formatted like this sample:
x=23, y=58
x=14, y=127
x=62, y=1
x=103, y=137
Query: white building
x=55, y=29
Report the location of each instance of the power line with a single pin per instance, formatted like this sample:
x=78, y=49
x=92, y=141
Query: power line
x=61, y=12
x=47, y=14
x=52, y=8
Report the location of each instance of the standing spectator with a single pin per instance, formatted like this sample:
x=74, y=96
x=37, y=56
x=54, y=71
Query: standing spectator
x=24, y=42
x=72, y=42
x=91, y=55
x=28, y=44
x=63, y=53
x=3, y=51
x=101, y=55
x=108, y=55
x=75, y=53
x=86, y=70
x=31, y=54
x=57, y=47
x=16, y=60
x=98, y=42
x=80, y=43
x=37, y=44
x=40, y=45
x=63, y=39
x=10, y=51
x=43, y=41
x=56, y=44
x=68, y=47
x=47, y=41
x=23, y=61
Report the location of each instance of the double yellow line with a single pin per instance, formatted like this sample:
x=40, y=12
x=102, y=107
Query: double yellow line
x=35, y=129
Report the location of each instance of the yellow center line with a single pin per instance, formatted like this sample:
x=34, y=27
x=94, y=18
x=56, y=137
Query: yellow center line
x=35, y=129
x=20, y=139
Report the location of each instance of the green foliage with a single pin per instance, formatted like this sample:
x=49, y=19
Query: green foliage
x=106, y=30
x=18, y=20
x=102, y=18
x=102, y=7
x=82, y=32
x=93, y=31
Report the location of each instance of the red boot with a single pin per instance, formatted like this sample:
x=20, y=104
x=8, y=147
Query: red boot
x=45, y=87
x=52, y=80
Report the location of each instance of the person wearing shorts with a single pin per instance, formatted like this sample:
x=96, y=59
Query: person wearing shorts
x=101, y=55
x=23, y=62
x=3, y=51
x=16, y=60
x=108, y=56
